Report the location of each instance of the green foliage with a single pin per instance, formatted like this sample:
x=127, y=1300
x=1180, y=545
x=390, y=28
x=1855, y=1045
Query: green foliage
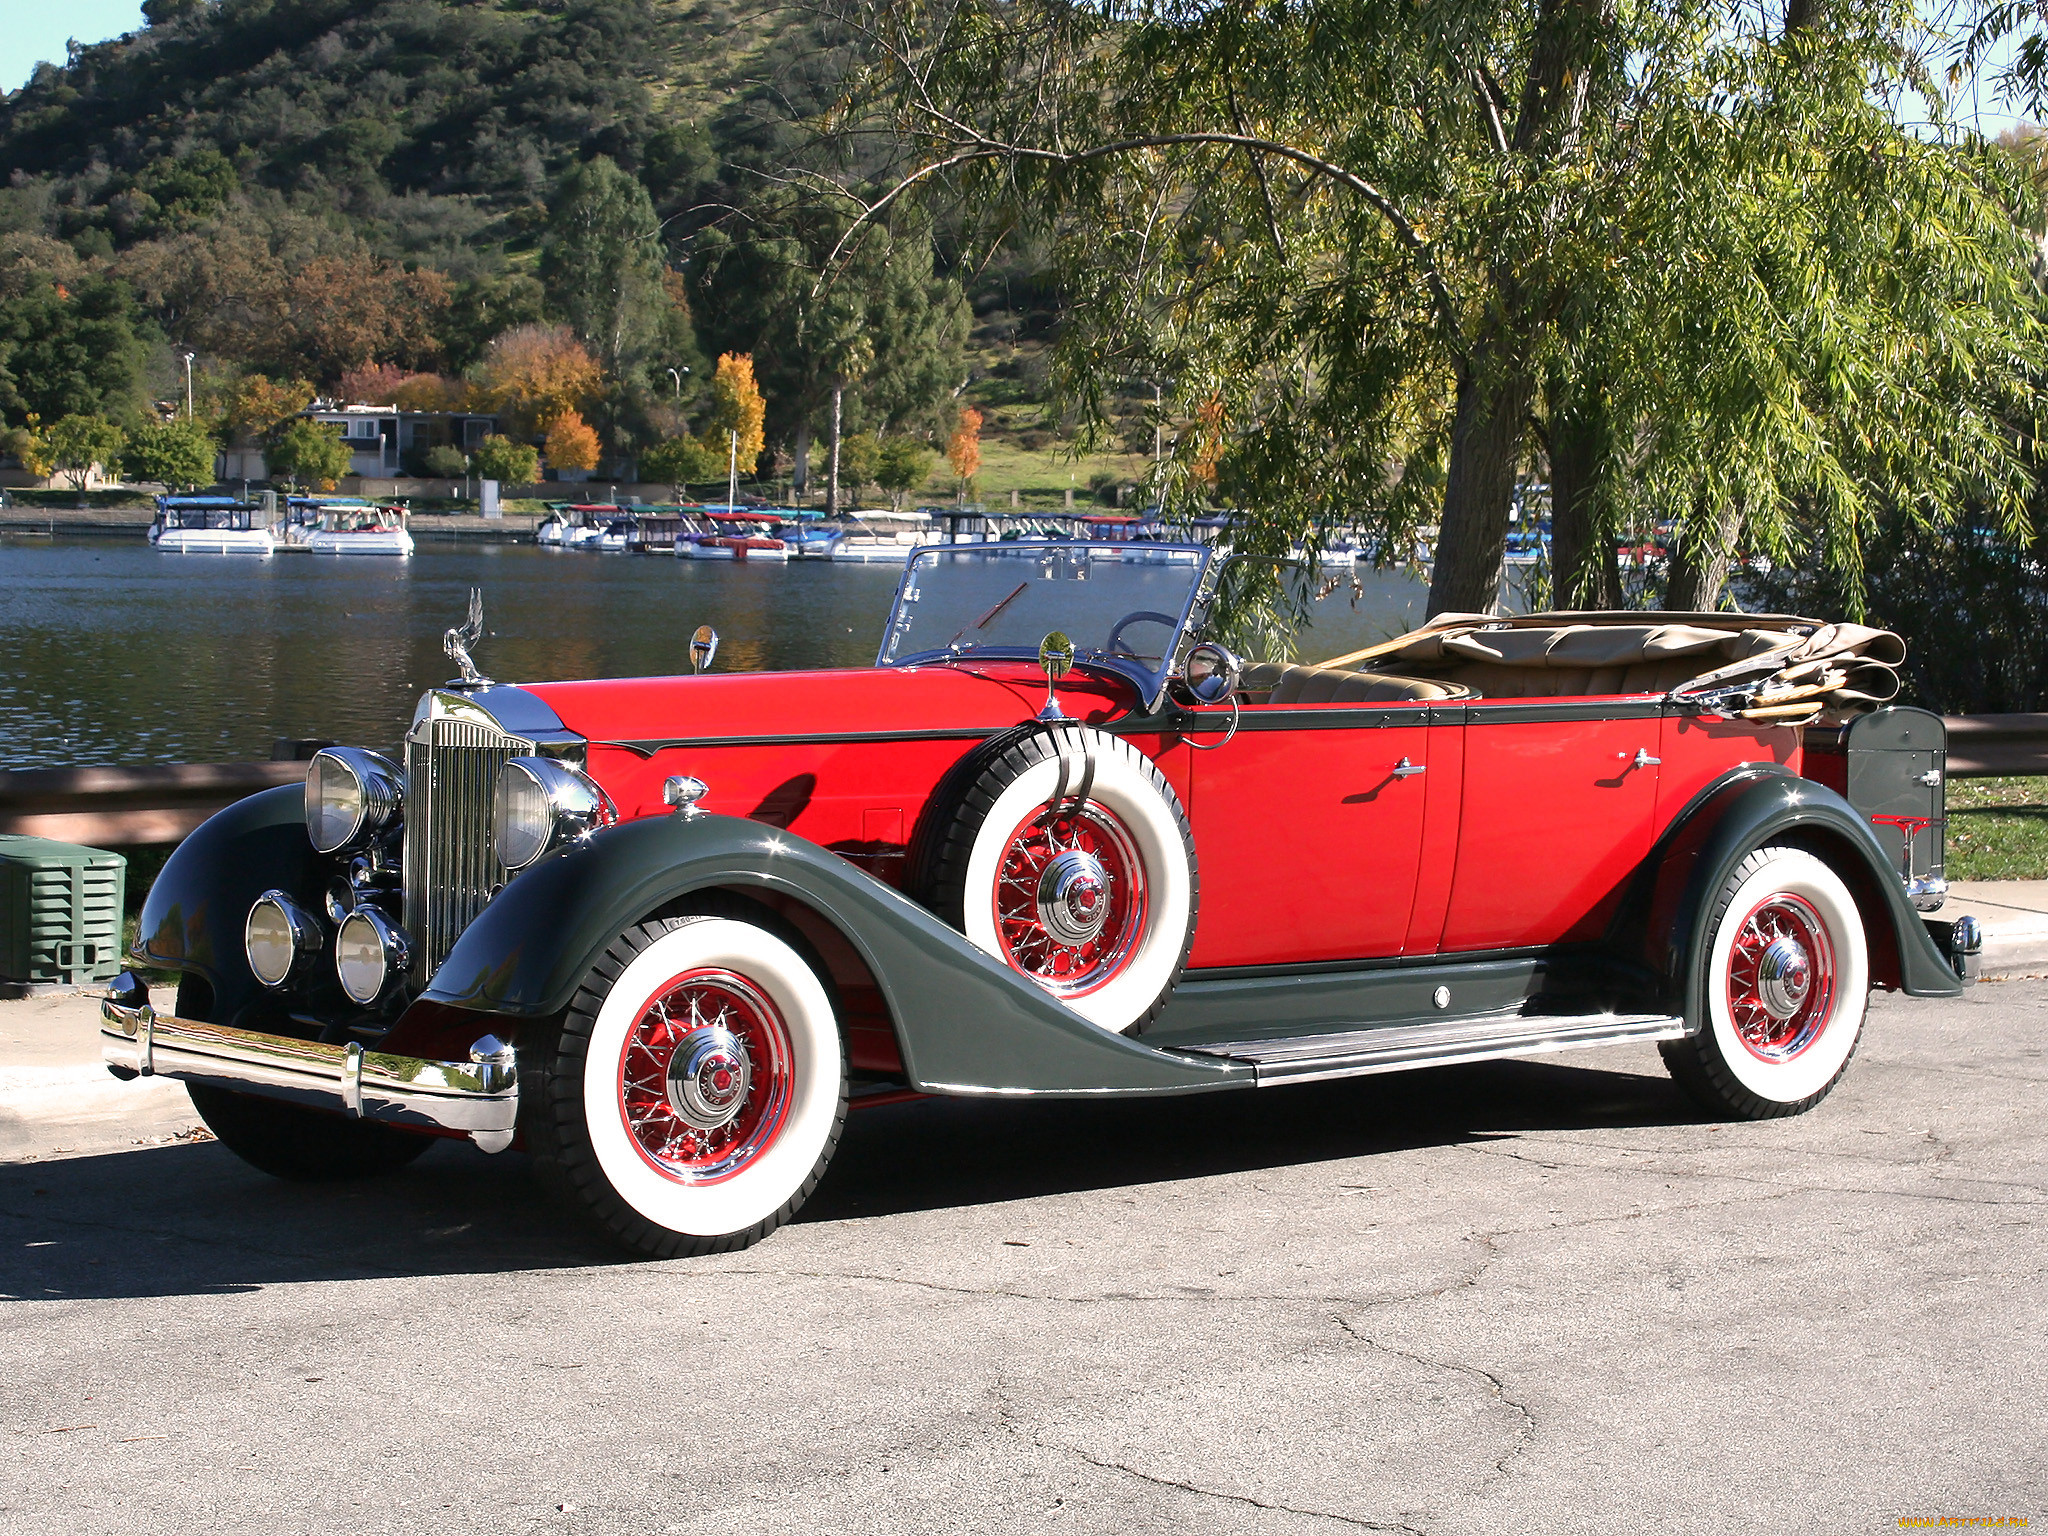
x=901, y=466
x=505, y=460
x=27, y=447
x=683, y=461
x=308, y=453
x=69, y=344
x=601, y=264
x=178, y=454
x=79, y=444
x=860, y=458
x=886, y=326
x=1417, y=242
x=444, y=461
x=1970, y=599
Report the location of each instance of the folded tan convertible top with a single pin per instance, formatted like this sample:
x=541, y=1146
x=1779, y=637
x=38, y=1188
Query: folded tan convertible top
x=1778, y=666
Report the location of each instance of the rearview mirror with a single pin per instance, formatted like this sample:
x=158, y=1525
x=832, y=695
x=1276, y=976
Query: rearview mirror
x=703, y=646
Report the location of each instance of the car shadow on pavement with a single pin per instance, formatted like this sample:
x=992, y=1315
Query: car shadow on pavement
x=946, y=1152
x=191, y=1219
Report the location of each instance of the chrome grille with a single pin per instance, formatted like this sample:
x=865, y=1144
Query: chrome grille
x=451, y=862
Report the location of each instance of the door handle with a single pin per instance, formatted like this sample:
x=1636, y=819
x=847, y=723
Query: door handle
x=1644, y=760
x=1407, y=770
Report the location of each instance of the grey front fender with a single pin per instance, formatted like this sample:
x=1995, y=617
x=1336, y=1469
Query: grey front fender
x=965, y=1023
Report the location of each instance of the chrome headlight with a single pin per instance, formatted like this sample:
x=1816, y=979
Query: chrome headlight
x=541, y=804
x=280, y=938
x=351, y=796
x=370, y=952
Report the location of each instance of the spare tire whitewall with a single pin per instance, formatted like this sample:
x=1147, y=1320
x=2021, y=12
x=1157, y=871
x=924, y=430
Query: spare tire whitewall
x=698, y=1093
x=1069, y=859
x=1784, y=989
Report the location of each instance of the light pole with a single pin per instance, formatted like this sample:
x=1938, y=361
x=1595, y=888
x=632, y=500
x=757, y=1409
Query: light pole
x=732, y=483
x=188, y=385
x=677, y=375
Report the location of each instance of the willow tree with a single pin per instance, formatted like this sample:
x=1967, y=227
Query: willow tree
x=1400, y=249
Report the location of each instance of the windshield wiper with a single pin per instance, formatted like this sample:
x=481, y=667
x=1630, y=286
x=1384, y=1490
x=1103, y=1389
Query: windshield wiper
x=987, y=618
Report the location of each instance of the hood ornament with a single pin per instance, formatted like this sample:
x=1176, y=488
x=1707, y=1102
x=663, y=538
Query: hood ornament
x=457, y=641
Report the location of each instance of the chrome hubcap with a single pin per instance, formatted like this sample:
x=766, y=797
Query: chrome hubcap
x=1784, y=975
x=1073, y=897
x=708, y=1077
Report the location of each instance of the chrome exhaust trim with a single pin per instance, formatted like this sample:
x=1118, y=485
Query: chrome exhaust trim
x=479, y=1097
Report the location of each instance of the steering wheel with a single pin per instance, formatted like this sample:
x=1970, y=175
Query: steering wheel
x=1142, y=616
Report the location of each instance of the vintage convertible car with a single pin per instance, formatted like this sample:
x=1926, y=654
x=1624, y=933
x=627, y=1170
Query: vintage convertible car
x=663, y=931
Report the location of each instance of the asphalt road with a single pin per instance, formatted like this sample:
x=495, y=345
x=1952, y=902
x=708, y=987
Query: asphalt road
x=1528, y=1297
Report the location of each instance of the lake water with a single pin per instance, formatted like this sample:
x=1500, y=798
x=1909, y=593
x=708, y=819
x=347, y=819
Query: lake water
x=113, y=653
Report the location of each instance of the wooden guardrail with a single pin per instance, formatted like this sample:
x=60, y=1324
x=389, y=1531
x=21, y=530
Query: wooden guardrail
x=1993, y=746
x=127, y=806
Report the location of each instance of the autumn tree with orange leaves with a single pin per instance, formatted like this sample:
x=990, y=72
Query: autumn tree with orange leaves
x=963, y=448
x=535, y=374
x=571, y=444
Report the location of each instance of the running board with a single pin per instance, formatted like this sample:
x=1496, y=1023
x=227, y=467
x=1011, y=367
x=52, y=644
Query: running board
x=1395, y=1047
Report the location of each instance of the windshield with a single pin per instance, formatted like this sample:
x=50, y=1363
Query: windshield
x=1123, y=605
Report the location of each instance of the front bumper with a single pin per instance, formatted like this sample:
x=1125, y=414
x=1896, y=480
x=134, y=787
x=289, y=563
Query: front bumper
x=478, y=1097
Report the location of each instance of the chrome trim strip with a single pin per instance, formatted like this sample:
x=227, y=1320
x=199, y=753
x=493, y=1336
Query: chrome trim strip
x=480, y=1098
x=1393, y=1048
x=821, y=738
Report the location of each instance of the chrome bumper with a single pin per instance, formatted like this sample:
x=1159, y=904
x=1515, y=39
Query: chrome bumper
x=479, y=1097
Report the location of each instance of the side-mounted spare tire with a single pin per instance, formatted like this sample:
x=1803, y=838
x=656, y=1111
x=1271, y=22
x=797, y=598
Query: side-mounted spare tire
x=1062, y=851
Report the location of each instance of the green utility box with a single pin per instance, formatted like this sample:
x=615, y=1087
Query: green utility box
x=60, y=913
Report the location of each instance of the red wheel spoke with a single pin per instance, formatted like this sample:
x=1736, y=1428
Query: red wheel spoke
x=708, y=1127
x=1780, y=977
x=1096, y=939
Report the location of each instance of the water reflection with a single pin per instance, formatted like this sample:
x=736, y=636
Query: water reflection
x=115, y=653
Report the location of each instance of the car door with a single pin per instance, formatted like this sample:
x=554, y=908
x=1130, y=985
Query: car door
x=1558, y=808
x=1308, y=825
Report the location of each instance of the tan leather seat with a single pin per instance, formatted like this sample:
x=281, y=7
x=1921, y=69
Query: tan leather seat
x=1272, y=682
x=1493, y=680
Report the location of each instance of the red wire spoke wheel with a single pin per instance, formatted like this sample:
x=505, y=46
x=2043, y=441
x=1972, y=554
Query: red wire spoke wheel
x=706, y=1076
x=1070, y=899
x=698, y=1087
x=1780, y=991
x=1063, y=852
x=1781, y=977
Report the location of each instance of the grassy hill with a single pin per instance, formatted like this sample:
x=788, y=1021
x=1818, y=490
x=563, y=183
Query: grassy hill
x=401, y=136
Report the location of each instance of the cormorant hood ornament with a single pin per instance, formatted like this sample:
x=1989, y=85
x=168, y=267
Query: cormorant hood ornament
x=457, y=641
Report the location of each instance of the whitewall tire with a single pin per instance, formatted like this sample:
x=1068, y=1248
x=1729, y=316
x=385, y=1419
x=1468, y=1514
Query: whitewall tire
x=1783, y=992
x=1066, y=855
x=698, y=1088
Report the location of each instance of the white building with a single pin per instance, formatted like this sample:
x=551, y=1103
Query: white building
x=380, y=437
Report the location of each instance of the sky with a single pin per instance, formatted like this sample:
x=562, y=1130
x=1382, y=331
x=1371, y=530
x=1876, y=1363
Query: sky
x=34, y=30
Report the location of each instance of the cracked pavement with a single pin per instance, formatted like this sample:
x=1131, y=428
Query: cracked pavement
x=1528, y=1296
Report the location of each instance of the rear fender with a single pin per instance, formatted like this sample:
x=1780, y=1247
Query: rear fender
x=1666, y=925
x=965, y=1023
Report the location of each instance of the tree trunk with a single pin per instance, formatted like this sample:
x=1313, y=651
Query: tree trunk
x=800, y=470
x=1486, y=443
x=832, y=474
x=1699, y=576
x=1584, y=571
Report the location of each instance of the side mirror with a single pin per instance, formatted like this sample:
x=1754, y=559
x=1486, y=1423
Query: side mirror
x=1211, y=673
x=703, y=646
x=1056, y=656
